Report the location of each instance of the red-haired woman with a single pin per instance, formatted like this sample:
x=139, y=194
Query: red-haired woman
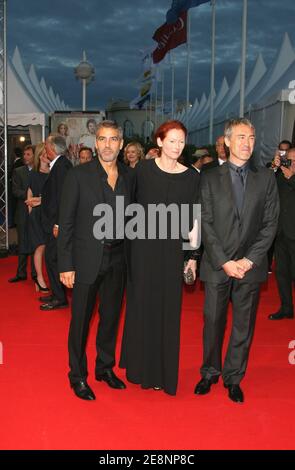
x=150, y=346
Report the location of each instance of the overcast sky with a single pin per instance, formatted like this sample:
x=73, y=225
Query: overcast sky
x=52, y=35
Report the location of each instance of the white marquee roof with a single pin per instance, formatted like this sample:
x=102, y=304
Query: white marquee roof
x=27, y=97
x=263, y=84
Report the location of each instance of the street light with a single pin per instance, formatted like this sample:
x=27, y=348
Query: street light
x=85, y=72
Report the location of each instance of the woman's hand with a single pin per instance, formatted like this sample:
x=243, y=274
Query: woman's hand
x=33, y=201
x=191, y=264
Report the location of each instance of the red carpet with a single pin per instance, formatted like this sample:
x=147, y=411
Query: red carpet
x=39, y=411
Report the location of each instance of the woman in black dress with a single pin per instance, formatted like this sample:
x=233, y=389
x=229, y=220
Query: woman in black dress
x=150, y=346
x=35, y=234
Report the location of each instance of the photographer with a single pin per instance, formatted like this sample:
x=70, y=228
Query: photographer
x=285, y=241
x=283, y=147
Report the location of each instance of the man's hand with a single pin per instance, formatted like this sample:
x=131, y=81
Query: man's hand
x=68, y=278
x=55, y=231
x=276, y=163
x=232, y=269
x=244, y=265
x=192, y=263
x=287, y=172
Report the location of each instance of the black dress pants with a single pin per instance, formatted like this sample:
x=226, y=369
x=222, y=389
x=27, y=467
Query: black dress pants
x=285, y=271
x=22, y=266
x=244, y=299
x=57, y=288
x=109, y=284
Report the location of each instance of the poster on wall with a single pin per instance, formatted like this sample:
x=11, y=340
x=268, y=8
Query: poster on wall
x=78, y=128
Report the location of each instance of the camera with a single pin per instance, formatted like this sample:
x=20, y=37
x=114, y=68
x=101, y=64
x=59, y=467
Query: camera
x=283, y=159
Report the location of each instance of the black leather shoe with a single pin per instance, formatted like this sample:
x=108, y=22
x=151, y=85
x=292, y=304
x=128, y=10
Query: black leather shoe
x=280, y=316
x=111, y=379
x=17, y=279
x=54, y=305
x=235, y=393
x=83, y=391
x=204, y=385
x=46, y=298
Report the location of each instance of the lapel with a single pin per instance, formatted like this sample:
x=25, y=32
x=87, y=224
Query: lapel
x=124, y=171
x=52, y=172
x=95, y=174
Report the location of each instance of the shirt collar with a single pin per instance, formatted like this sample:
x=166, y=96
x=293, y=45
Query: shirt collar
x=234, y=167
x=102, y=171
x=53, y=162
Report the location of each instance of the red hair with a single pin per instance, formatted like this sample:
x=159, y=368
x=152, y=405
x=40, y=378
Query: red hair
x=167, y=126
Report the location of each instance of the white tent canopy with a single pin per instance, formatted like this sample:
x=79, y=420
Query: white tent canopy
x=29, y=102
x=266, y=102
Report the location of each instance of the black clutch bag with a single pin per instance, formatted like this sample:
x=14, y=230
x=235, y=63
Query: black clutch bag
x=188, y=277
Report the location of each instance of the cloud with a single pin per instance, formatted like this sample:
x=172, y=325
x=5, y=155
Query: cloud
x=53, y=35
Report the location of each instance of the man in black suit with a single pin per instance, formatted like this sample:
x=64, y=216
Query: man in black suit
x=285, y=240
x=51, y=198
x=18, y=161
x=20, y=184
x=89, y=263
x=239, y=219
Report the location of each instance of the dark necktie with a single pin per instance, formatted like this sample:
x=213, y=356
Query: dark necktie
x=239, y=187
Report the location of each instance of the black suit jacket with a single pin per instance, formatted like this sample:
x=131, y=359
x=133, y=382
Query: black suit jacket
x=225, y=235
x=51, y=194
x=78, y=249
x=20, y=184
x=287, y=205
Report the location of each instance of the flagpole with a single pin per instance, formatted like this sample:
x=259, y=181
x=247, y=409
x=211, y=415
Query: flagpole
x=146, y=121
x=243, y=59
x=156, y=99
x=150, y=121
x=188, y=68
x=212, y=73
x=172, y=83
x=162, y=110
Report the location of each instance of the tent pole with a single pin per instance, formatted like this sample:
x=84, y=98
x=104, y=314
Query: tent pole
x=282, y=119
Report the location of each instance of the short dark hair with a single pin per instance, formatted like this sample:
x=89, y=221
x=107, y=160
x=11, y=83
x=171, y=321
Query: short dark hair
x=110, y=125
x=85, y=148
x=286, y=142
x=29, y=147
x=236, y=122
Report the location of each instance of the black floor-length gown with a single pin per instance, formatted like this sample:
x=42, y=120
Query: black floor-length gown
x=150, y=345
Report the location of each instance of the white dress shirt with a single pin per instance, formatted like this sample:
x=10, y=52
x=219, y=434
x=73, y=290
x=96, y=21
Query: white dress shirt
x=53, y=162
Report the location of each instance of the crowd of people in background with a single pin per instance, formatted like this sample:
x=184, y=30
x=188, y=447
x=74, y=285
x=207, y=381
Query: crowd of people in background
x=49, y=199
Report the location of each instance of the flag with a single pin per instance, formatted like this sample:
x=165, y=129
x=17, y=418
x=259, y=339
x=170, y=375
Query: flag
x=169, y=36
x=143, y=95
x=146, y=80
x=179, y=6
x=138, y=102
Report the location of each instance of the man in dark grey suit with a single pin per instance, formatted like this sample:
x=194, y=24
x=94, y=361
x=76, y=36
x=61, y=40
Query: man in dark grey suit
x=51, y=199
x=90, y=265
x=20, y=184
x=239, y=219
